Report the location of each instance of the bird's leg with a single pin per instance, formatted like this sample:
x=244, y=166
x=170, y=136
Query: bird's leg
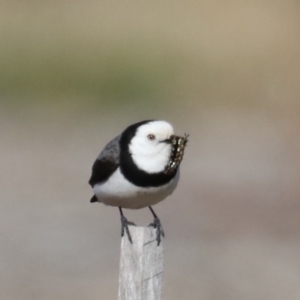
x=124, y=225
x=156, y=224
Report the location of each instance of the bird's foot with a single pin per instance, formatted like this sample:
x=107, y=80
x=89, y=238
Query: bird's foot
x=159, y=230
x=124, y=228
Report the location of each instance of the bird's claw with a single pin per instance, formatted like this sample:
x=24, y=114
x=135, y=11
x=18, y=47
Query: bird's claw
x=124, y=227
x=159, y=230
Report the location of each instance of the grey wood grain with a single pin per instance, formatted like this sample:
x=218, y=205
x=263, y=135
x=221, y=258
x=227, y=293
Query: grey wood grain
x=141, y=266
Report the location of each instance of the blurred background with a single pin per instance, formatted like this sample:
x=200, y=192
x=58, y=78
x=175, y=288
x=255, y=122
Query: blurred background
x=73, y=74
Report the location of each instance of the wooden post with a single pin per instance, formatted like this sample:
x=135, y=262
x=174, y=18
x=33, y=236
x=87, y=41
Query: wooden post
x=141, y=265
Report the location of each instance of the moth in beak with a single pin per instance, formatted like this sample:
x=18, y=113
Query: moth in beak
x=178, y=147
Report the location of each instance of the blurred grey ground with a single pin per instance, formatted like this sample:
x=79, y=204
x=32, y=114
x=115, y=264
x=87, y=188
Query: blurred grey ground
x=74, y=75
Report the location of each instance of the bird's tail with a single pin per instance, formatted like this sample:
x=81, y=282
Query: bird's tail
x=94, y=199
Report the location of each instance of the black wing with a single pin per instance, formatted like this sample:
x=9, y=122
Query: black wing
x=106, y=163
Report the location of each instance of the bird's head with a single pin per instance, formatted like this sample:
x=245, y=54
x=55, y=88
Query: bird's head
x=151, y=147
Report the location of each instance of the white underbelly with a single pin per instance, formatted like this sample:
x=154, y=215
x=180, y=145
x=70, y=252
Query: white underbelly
x=117, y=191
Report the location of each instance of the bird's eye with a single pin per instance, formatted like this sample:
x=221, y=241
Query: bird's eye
x=151, y=137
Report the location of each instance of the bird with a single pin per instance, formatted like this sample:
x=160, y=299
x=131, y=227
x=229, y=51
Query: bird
x=139, y=168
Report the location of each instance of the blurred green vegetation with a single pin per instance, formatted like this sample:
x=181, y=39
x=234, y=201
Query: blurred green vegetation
x=107, y=52
x=34, y=66
x=36, y=69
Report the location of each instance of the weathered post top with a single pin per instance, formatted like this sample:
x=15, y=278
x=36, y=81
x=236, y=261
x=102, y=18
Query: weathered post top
x=141, y=266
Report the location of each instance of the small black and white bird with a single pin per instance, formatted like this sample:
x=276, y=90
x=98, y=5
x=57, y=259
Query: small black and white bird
x=138, y=168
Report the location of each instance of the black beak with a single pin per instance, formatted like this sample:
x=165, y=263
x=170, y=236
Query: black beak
x=167, y=141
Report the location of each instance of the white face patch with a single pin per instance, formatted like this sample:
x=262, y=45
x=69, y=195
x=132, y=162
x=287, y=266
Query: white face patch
x=149, y=151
